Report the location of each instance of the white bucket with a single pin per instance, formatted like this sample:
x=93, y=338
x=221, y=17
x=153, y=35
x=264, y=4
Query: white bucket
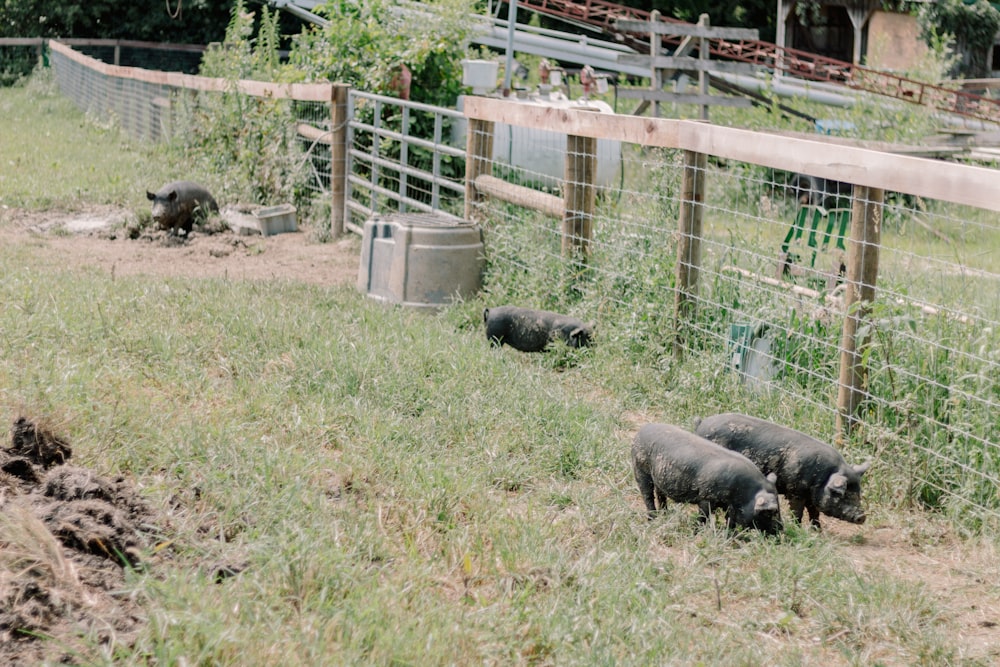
x=481, y=75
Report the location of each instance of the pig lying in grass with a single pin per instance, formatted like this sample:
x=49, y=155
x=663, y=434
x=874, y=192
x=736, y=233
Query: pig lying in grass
x=530, y=330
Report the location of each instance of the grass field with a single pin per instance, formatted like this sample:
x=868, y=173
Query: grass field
x=393, y=491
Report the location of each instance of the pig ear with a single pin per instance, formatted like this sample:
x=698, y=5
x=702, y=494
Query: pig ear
x=765, y=502
x=578, y=334
x=837, y=483
x=150, y=196
x=861, y=468
x=173, y=195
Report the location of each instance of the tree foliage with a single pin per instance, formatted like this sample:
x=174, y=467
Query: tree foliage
x=249, y=141
x=178, y=21
x=366, y=43
x=971, y=27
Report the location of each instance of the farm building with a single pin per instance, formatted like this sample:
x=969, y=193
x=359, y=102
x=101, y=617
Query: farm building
x=861, y=32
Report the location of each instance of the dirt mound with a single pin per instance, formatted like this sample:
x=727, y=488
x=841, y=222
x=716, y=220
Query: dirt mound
x=115, y=240
x=67, y=536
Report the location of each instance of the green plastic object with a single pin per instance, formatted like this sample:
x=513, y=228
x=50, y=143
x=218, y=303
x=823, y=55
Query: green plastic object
x=815, y=231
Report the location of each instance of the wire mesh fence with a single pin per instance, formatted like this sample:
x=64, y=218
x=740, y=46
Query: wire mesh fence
x=877, y=307
x=141, y=108
x=282, y=131
x=853, y=284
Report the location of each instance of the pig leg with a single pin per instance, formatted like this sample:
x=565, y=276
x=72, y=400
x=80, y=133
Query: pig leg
x=797, y=506
x=813, y=515
x=800, y=508
x=661, y=498
x=647, y=489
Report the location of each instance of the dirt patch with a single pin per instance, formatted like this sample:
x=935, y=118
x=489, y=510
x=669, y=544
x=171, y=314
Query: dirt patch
x=960, y=575
x=67, y=536
x=105, y=237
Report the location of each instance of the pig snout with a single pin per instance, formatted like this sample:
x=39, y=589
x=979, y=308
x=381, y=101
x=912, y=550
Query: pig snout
x=162, y=206
x=841, y=498
x=844, y=512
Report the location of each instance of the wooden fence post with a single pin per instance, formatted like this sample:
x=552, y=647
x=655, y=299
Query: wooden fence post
x=580, y=195
x=478, y=161
x=338, y=157
x=862, y=272
x=689, y=242
x=655, y=48
x=703, y=56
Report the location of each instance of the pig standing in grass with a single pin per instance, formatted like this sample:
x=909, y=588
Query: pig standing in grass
x=812, y=475
x=530, y=330
x=669, y=462
x=176, y=204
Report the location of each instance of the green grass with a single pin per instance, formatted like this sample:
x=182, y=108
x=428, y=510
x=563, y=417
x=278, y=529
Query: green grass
x=402, y=493
x=54, y=157
x=399, y=492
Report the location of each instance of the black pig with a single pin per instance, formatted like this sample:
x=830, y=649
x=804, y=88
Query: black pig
x=812, y=475
x=176, y=204
x=669, y=462
x=530, y=330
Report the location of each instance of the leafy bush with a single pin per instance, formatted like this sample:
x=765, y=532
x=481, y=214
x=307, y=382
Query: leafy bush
x=249, y=141
x=366, y=45
x=972, y=26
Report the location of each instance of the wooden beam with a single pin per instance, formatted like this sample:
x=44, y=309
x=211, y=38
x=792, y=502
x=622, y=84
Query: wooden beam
x=631, y=129
x=859, y=295
x=689, y=226
x=957, y=183
x=579, y=194
x=688, y=64
x=478, y=162
x=519, y=195
x=313, y=133
x=683, y=98
x=21, y=41
x=686, y=30
x=339, y=117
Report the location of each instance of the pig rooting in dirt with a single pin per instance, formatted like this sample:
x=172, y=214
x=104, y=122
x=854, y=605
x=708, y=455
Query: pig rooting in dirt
x=530, y=330
x=177, y=204
x=669, y=462
x=811, y=474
